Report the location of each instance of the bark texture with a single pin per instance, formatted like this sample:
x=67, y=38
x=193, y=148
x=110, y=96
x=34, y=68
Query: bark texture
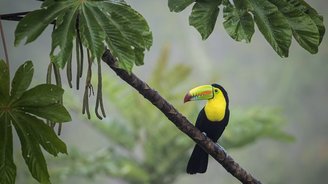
x=215, y=150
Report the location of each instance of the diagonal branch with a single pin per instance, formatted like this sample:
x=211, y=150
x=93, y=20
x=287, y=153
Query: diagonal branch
x=215, y=150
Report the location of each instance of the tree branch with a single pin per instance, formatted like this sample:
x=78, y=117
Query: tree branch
x=14, y=16
x=215, y=150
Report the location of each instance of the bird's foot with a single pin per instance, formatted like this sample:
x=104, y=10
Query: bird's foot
x=221, y=147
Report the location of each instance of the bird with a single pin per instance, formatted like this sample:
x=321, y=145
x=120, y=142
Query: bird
x=211, y=120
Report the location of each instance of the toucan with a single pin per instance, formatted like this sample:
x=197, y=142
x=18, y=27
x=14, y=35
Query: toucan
x=211, y=120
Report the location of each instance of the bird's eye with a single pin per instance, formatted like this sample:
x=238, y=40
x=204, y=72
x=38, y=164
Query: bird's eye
x=216, y=90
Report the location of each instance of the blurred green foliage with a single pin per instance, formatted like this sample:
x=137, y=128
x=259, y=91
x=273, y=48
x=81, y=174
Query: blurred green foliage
x=144, y=147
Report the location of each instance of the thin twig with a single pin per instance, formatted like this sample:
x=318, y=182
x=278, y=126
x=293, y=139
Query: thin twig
x=14, y=16
x=17, y=16
x=4, y=42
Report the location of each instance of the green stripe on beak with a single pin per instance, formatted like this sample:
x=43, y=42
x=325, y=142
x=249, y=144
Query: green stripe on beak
x=204, y=92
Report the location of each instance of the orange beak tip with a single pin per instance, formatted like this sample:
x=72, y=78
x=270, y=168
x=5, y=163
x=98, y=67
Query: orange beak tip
x=187, y=98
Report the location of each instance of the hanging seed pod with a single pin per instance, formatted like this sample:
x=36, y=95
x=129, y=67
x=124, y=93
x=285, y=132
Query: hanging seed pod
x=48, y=81
x=99, y=100
x=58, y=83
x=79, y=54
x=69, y=72
x=88, y=86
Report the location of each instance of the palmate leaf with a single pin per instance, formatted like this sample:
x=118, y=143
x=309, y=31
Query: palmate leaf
x=203, y=16
x=304, y=28
x=179, y=5
x=120, y=47
x=273, y=25
x=20, y=108
x=7, y=166
x=319, y=22
x=42, y=133
x=134, y=27
x=238, y=22
x=97, y=21
x=22, y=80
x=31, y=151
x=277, y=20
x=62, y=38
x=4, y=81
x=92, y=34
x=32, y=25
x=135, y=34
x=307, y=9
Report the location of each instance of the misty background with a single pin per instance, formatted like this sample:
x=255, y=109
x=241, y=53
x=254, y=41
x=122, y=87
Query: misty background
x=253, y=75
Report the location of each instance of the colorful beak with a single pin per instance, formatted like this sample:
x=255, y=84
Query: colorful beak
x=204, y=92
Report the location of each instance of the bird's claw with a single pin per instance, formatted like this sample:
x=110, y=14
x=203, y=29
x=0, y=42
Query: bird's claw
x=220, y=147
x=204, y=134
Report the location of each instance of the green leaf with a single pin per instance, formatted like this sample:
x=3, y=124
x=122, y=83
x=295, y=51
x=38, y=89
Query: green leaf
x=179, y=5
x=42, y=101
x=7, y=166
x=132, y=24
x=238, y=23
x=273, y=25
x=131, y=37
x=123, y=53
x=127, y=33
x=31, y=25
x=139, y=56
x=92, y=34
x=53, y=112
x=22, y=80
x=40, y=95
x=304, y=28
x=31, y=150
x=62, y=39
x=307, y=9
x=4, y=81
x=118, y=44
x=203, y=17
x=44, y=134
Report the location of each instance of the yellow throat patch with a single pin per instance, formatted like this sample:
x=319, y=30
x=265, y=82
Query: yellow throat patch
x=215, y=108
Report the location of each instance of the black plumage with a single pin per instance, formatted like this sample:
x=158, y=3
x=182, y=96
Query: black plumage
x=199, y=158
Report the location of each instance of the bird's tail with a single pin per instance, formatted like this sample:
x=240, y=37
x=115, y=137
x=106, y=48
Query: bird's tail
x=198, y=161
